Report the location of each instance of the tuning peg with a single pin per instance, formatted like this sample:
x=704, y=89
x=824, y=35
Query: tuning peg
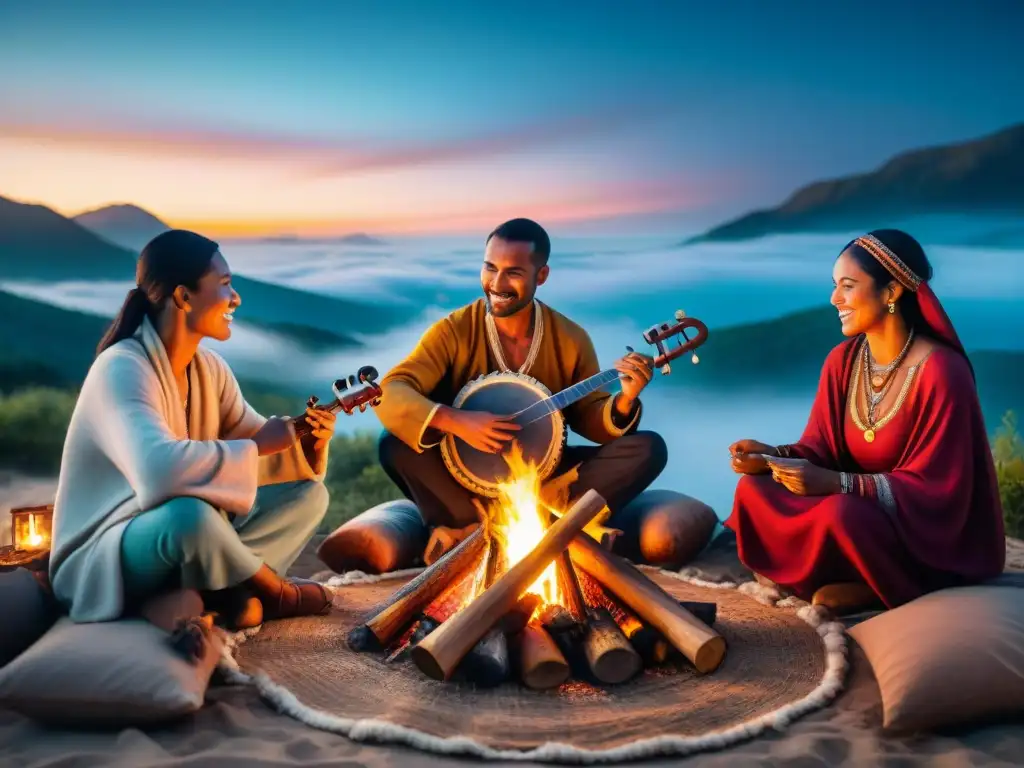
x=695, y=359
x=313, y=400
x=666, y=369
x=680, y=315
x=362, y=407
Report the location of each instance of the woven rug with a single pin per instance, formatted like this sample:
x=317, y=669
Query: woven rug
x=784, y=659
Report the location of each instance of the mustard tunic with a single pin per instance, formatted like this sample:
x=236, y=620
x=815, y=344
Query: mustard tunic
x=457, y=349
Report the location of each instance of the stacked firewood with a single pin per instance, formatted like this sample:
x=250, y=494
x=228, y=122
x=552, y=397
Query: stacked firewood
x=467, y=617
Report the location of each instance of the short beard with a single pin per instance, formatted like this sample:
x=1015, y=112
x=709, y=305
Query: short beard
x=512, y=308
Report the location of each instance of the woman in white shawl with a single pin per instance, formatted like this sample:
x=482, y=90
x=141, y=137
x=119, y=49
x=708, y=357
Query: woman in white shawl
x=169, y=480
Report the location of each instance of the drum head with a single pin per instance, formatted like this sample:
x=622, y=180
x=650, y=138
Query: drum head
x=540, y=442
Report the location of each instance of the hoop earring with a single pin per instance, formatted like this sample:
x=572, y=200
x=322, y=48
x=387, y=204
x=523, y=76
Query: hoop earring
x=892, y=308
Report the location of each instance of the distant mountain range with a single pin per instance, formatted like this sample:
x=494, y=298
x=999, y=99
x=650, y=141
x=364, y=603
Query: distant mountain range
x=359, y=238
x=39, y=245
x=125, y=225
x=784, y=356
x=131, y=227
x=984, y=176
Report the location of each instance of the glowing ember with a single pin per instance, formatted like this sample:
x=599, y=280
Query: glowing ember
x=517, y=524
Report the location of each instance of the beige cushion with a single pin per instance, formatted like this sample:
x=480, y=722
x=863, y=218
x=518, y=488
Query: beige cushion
x=949, y=658
x=120, y=672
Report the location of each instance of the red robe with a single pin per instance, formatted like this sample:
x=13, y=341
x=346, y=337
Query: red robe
x=943, y=525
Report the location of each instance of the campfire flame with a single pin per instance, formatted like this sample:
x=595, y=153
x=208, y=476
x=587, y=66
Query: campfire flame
x=516, y=522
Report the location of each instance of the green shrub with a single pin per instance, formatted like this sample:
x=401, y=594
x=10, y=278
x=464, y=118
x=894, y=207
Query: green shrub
x=355, y=479
x=33, y=423
x=1008, y=452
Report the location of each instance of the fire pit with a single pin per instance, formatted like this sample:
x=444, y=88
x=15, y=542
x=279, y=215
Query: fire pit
x=530, y=597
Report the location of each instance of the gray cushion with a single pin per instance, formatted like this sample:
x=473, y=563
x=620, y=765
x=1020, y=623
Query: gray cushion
x=26, y=610
x=387, y=537
x=115, y=672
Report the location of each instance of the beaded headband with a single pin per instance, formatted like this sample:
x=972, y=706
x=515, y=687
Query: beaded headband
x=893, y=263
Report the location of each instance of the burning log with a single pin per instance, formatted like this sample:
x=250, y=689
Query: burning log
x=515, y=621
x=609, y=654
x=439, y=654
x=541, y=663
x=704, y=647
x=388, y=619
x=610, y=657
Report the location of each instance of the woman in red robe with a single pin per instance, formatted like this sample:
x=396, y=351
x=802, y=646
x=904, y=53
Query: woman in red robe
x=891, y=491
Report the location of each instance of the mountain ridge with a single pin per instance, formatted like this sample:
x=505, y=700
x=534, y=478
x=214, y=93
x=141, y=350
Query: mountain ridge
x=983, y=175
x=37, y=244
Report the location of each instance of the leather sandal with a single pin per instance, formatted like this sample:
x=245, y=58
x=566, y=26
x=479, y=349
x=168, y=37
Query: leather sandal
x=314, y=600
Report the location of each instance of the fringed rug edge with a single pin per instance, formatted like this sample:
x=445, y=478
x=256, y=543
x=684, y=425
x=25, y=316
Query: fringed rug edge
x=832, y=634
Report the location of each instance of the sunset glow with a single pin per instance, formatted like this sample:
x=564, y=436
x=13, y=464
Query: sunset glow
x=267, y=119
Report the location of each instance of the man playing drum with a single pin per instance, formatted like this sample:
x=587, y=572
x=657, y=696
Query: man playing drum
x=509, y=330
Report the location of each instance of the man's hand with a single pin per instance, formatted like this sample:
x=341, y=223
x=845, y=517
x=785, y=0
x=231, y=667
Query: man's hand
x=636, y=370
x=484, y=431
x=803, y=478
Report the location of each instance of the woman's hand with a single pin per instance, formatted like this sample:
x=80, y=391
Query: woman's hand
x=803, y=478
x=322, y=422
x=744, y=460
x=274, y=436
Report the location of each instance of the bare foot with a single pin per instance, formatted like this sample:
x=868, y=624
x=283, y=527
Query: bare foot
x=846, y=598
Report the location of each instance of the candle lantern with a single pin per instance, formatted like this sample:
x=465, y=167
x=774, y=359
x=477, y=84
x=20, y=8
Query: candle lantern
x=31, y=528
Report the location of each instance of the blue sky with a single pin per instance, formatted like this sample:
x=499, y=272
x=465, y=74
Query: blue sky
x=444, y=115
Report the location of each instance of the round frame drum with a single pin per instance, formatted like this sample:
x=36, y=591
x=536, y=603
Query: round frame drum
x=504, y=392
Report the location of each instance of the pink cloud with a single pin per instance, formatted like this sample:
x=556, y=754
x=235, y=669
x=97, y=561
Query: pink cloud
x=317, y=156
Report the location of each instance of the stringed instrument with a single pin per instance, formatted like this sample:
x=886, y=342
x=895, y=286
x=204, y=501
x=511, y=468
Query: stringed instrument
x=345, y=400
x=543, y=431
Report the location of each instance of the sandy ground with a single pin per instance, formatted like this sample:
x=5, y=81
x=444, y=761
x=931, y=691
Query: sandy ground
x=237, y=728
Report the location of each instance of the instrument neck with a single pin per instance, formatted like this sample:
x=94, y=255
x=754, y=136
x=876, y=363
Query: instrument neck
x=303, y=428
x=567, y=396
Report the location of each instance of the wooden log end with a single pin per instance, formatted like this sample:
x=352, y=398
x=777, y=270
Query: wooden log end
x=710, y=654
x=547, y=674
x=610, y=656
x=426, y=663
x=542, y=664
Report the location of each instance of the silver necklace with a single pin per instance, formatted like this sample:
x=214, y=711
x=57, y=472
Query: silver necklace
x=495, y=340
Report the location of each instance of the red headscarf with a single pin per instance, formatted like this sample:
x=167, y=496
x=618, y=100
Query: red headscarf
x=939, y=325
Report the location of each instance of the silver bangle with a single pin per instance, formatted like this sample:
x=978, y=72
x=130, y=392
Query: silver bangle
x=845, y=482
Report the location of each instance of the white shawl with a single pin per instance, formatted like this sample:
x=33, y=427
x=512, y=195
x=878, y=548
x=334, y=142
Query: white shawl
x=126, y=452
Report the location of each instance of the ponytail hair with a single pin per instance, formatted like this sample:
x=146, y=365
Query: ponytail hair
x=173, y=258
x=128, y=320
